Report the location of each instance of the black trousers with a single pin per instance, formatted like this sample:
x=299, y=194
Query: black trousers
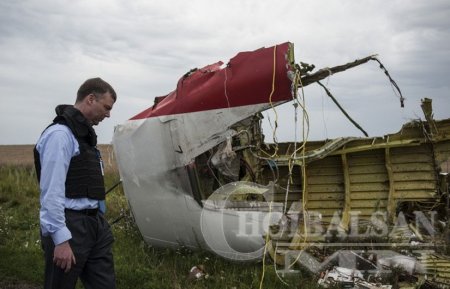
x=91, y=244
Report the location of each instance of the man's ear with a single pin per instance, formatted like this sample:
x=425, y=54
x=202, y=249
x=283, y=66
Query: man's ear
x=91, y=98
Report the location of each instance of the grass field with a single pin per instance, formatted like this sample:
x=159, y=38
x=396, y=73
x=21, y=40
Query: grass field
x=137, y=264
x=22, y=155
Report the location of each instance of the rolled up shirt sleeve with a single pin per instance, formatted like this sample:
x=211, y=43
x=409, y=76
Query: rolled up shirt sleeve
x=56, y=148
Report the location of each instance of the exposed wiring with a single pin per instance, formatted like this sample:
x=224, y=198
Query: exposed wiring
x=271, y=156
x=393, y=83
x=342, y=109
x=293, y=155
x=225, y=87
x=249, y=169
x=275, y=267
x=272, y=164
x=274, y=132
x=265, y=249
x=305, y=134
x=323, y=108
x=299, y=102
x=211, y=170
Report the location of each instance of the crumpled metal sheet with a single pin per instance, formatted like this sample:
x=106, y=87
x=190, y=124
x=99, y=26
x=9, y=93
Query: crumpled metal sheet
x=348, y=278
x=246, y=80
x=436, y=268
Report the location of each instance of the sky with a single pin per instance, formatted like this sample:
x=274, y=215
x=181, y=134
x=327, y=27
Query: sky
x=48, y=48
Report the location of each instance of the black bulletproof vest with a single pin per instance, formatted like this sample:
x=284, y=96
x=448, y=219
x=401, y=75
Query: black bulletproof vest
x=84, y=177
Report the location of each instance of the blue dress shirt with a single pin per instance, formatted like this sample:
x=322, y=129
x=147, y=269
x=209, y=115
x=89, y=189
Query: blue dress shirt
x=56, y=146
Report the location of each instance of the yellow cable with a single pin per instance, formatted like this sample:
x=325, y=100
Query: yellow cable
x=265, y=248
x=272, y=92
x=274, y=154
x=305, y=139
x=305, y=123
x=305, y=133
x=275, y=266
x=271, y=105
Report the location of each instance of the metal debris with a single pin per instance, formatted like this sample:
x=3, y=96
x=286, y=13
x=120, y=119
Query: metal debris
x=197, y=273
x=347, y=278
x=356, y=202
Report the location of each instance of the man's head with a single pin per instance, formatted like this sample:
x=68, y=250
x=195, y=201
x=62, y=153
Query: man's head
x=95, y=99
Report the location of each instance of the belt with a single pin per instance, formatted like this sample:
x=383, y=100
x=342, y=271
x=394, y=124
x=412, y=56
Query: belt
x=88, y=212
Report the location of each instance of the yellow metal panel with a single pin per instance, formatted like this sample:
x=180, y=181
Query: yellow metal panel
x=324, y=211
x=326, y=189
x=414, y=185
x=366, y=160
x=324, y=170
x=411, y=158
x=326, y=196
x=415, y=194
x=347, y=204
x=415, y=176
x=369, y=178
x=371, y=195
x=333, y=179
x=369, y=187
x=412, y=167
x=372, y=169
x=374, y=203
x=325, y=204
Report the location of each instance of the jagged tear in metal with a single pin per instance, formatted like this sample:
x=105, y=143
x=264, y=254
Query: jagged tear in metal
x=197, y=172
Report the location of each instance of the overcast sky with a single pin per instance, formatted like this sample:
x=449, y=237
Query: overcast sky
x=48, y=48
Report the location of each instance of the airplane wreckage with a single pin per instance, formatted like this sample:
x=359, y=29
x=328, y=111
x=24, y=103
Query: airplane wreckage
x=197, y=173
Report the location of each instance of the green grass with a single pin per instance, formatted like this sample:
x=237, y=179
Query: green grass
x=137, y=264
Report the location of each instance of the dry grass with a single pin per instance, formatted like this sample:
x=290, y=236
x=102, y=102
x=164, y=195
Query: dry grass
x=22, y=155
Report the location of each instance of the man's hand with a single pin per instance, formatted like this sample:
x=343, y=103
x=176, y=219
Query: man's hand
x=63, y=256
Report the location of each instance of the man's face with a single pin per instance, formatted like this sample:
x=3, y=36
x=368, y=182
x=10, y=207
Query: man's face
x=99, y=107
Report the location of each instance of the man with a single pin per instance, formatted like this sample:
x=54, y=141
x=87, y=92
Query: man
x=76, y=239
